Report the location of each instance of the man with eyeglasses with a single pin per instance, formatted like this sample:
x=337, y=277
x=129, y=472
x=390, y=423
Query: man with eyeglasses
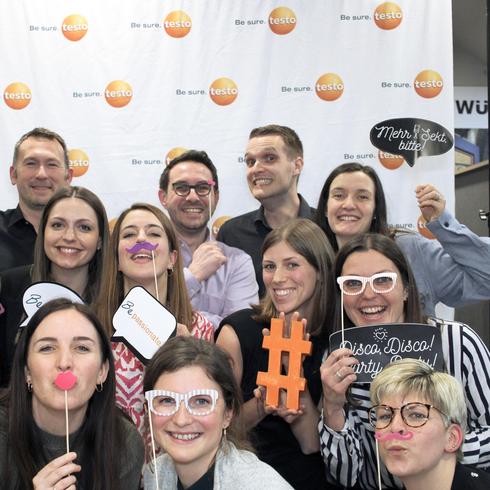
x=274, y=159
x=39, y=168
x=220, y=279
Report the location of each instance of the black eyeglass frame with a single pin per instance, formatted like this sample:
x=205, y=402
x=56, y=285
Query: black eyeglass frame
x=401, y=409
x=206, y=188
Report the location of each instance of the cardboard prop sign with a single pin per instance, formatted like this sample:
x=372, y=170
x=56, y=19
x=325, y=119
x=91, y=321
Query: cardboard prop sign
x=375, y=346
x=411, y=138
x=41, y=292
x=295, y=347
x=143, y=323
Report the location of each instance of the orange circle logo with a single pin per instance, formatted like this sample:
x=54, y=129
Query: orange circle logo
x=177, y=24
x=17, y=95
x=223, y=91
x=217, y=225
x=118, y=93
x=390, y=161
x=174, y=153
x=329, y=87
x=388, y=16
x=78, y=162
x=423, y=230
x=74, y=27
x=428, y=84
x=282, y=20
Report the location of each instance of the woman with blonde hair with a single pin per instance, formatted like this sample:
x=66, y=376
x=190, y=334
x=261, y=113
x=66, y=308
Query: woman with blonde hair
x=160, y=272
x=419, y=416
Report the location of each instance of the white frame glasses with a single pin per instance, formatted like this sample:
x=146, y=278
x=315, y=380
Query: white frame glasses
x=182, y=397
x=371, y=280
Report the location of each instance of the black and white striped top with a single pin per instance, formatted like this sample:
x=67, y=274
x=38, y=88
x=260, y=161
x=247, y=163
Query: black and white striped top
x=350, y=454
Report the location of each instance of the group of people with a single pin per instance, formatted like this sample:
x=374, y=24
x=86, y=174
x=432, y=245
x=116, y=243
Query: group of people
x=339, y=265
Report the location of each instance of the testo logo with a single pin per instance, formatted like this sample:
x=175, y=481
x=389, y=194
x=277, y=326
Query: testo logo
x=74, y=27
x=388, y=16
x=390, y=161
x=223, y=91
x=17, y=95
x=329, y=87
x=428, y=84
x=118, y=93
x=79, y=162
x=282, y=20
x=177, y=24
x=174, y=153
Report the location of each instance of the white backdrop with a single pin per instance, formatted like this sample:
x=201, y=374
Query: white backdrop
x=58, y=59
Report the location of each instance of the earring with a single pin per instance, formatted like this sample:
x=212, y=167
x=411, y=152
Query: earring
x=29, y=386
x=99, y=387
x=224, y=434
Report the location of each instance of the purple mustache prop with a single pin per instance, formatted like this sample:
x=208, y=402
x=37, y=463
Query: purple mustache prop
x=141, y=246
x=393, y=435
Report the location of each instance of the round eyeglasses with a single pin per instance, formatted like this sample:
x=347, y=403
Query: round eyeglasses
x=197, y=402
x=413, y=414
x=202, y=189
x=383, y=282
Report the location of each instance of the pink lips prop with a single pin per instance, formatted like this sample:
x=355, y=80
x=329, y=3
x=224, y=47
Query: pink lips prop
x=141, y=246
x=65, y=381
x=393, y=435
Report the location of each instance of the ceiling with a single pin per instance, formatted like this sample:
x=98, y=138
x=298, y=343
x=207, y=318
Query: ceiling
x=470, y=27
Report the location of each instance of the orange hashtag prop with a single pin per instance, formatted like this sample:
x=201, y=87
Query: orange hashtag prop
x=273, y=380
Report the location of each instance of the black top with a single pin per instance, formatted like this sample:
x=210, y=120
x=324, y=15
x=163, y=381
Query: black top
x=206, y=482
x=12, y=285
x=248, y=232
x=470, y=478
x=17, y=239
x=272, y=438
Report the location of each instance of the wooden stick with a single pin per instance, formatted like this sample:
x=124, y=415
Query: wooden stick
x=66, y=422
x=155, y=274
x=153, y=449
x=378, y=464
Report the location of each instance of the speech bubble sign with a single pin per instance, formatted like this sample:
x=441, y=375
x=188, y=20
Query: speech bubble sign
x=143, y=323
x=411, y=138
x=375, y=346
x=41, y=292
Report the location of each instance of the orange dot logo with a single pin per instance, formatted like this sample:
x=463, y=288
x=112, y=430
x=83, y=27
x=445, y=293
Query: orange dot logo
x=74, y=27
x=282, y=20
x=388, y=16
x=118, y=93
x=218, y=222
x=428, y=84
x=177, y=24
x=329, y=87
x=174, y=153
x=78, y=162
x=17, y=95
x=423, y=230
x=223, y=91
x=390, y=161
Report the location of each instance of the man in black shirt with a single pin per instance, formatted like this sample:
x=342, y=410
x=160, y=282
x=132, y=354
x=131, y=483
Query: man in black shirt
x=274, y=159
x=39, y=168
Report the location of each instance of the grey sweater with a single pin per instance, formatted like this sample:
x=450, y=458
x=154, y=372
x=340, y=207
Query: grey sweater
x=234, y=469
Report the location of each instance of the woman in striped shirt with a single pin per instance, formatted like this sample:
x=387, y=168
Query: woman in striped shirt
x=347, y=438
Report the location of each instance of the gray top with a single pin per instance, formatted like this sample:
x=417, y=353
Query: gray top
x=234, y=469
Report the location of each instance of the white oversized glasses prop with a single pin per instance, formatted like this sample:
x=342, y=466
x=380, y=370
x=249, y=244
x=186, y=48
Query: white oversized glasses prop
x=166, y=403
x=381, y=283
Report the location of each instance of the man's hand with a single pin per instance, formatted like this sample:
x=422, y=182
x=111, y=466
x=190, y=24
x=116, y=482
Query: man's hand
x=206, y=260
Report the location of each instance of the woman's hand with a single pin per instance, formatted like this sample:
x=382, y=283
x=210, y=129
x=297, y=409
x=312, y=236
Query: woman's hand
x=281, y=410
x=337, y=374
x=57, y=475
x=182, y=330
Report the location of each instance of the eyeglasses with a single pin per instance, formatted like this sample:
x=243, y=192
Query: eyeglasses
x=197, y=402
x=383, y=282
x=413, y=414
x=201, y=189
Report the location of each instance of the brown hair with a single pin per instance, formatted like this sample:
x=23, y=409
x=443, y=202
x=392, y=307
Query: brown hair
x=177, y=300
